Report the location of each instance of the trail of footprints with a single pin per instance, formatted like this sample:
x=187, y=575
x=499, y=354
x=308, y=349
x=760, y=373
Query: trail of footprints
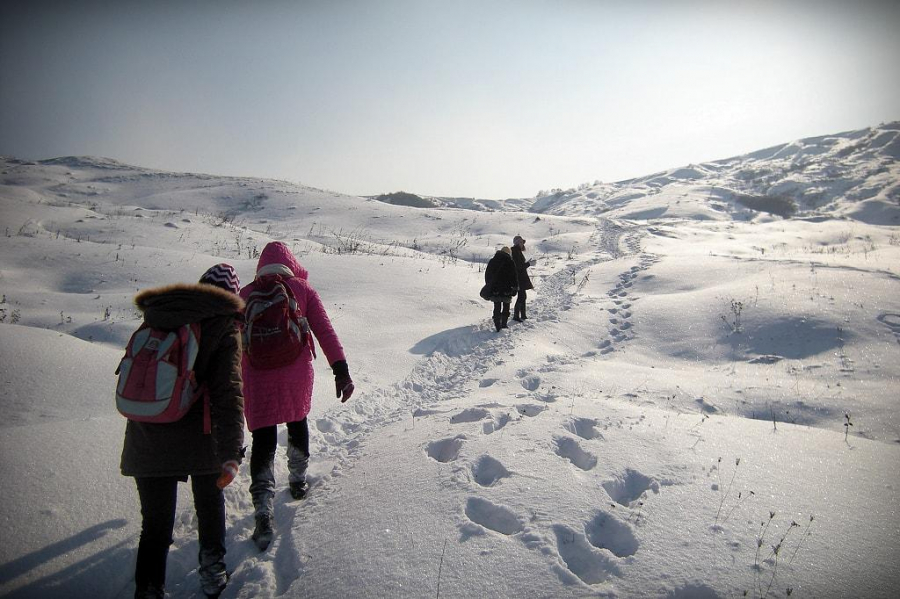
x=591, y=552
x=620, y=312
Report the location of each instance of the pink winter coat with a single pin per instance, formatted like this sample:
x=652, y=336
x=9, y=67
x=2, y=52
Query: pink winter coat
x=284, y=394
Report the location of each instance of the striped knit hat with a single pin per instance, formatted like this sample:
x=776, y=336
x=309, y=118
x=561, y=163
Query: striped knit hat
x=224, y=276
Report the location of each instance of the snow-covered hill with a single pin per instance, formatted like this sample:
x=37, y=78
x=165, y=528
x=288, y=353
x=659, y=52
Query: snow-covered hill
x=853, y=175
x=701, y=404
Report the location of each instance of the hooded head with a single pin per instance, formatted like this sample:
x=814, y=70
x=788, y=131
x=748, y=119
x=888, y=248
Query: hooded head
x=222, y=276
x=276, y=258
x=518, y=240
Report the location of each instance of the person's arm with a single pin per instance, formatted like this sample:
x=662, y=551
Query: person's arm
x=328, y=340
x=226, y=397
x=320, y=325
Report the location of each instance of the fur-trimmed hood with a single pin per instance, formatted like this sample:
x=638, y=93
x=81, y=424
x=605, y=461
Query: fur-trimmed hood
x=182, y=303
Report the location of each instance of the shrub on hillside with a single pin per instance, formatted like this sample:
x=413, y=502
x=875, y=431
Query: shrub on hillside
x=777, y=205
x=402, y=198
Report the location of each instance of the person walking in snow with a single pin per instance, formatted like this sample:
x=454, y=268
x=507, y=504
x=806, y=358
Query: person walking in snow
x=500, y=285
x=159, y=456
x=522, y=267
x=283, y=394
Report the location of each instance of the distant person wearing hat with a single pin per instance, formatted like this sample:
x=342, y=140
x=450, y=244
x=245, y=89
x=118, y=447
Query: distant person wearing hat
x=522, y=265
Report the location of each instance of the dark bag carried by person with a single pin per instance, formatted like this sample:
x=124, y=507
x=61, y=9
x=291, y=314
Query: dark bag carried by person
x=275, y=332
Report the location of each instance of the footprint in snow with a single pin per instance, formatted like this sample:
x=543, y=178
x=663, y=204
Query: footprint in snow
x=531, y=382
x=590, y=565
x=628, y=488
x=584, y=428
x=492, y=516
x=470, y=415
x=530, y=410
x=605, y=531
x=496, y=424
x=489, y=471
x=568, y=448
x=326, y=425
x=445, y=450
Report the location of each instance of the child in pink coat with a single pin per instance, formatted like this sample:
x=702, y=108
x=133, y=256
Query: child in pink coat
x=284, y=394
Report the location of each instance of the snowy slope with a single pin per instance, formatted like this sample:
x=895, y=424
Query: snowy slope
x=853, y=175
x=683, y=350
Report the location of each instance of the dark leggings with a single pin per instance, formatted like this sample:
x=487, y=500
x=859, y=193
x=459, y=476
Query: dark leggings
x=265, y=441
x=519, y=310
x=158, y=496
x=501, y=309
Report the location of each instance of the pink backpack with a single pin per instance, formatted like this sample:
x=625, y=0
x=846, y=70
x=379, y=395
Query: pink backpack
x=156, y=375
x=274, y=330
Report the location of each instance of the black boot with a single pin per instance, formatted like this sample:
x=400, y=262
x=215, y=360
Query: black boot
x=213, y=575
x=299, y=489
x=497, y=323
x=503, y=322
x=263, y=533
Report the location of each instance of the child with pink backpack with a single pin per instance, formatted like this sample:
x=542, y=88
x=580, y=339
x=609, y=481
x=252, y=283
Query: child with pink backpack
x=180, y=388
x=283, y=315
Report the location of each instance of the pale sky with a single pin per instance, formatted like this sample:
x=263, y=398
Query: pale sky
x=480, y=98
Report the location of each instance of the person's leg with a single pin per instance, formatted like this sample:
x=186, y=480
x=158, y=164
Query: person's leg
x=298, y=457
x=505, y=316
x=497, y=311
x=517, y=306
x=519, y=311
x=209, y=503
x=262, y=468
x=158, y=497
x=262, y=483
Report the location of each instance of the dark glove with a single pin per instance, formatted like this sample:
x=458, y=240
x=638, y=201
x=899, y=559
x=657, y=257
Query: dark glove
x=229, y=471
x=342, y=382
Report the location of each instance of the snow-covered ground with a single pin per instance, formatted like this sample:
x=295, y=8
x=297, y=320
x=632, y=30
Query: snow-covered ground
x=703, y=402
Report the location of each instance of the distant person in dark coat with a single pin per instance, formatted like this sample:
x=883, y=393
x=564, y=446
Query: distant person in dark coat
x=159, y=456
x=522, y=266
x=501, y=285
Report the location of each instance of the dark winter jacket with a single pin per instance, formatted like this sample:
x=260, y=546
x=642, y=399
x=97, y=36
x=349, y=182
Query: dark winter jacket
x=500, y=278
x=181, y=448
x=521, y=268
